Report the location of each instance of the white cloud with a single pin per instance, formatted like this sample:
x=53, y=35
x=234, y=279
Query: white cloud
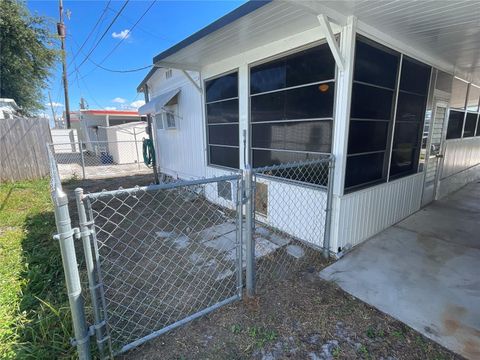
x=124, y=34
x=119, y=100
x=110, y=108
x=137, y=104
x=54, y=104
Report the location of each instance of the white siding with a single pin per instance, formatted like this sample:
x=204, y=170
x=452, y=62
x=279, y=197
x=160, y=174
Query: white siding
x=296, y=210
x=460, y=154
x=180, y=152
x=364, y=213
x=461, y=165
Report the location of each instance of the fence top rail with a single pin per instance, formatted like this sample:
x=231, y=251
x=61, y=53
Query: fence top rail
x=94, y=142
x=291, y=165
x=166, y=186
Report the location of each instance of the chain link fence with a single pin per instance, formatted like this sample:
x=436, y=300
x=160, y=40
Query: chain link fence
x=159, y=256
x=290, y=211
x=99, y=159
x=168, y=253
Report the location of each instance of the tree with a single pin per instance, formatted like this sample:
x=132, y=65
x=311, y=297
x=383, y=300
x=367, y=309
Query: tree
x=26, y=55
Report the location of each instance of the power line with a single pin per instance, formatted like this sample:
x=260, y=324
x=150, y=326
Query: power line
x=131, y=29
x=91, y=31
x=119, y=70
x=108, y=69
x=104, y=33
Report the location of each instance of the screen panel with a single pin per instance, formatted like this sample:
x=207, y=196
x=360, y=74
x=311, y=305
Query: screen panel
x=222, y=120
x=292, y=124
x=455, y=124
x=470, y=125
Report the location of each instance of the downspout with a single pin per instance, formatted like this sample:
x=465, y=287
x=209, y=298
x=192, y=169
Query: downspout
x=150, y=135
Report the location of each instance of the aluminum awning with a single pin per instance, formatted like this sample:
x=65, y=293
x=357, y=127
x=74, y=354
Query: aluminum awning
x=157, y=103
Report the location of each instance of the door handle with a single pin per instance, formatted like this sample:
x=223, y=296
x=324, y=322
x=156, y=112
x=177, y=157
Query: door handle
x=439, y=156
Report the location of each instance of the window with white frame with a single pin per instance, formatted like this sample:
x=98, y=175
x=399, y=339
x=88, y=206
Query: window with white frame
x=389, y=97
x=463, y=118
x=169, y=118
x=159, y=121
x=291, y=107
x=221, y=97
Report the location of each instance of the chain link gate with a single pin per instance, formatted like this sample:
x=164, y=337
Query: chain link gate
x=290, y=218
x=159, y=256
x=164, y=255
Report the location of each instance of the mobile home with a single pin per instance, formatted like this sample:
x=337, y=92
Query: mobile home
x=392, y=91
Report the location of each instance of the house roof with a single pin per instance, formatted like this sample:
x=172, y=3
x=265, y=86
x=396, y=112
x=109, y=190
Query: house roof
x=445, y=34
x=237, y=13
x=140, y=87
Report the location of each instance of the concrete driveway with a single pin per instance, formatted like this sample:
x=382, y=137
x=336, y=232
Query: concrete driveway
x=424, y=271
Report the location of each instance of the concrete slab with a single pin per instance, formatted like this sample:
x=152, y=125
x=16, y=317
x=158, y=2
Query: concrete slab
x=424, y=271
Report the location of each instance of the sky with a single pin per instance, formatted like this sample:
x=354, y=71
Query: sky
x=164, y=24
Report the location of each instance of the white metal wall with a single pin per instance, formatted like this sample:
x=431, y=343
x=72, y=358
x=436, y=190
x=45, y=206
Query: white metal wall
x=460, y=154
x=461, y=165
x=180, y=151
x=364, y=213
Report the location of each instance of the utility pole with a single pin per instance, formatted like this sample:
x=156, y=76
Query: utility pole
x=62, y=33
x=53, y=111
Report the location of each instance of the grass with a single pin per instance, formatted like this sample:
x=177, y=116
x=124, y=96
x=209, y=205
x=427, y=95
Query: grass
x=34, y=315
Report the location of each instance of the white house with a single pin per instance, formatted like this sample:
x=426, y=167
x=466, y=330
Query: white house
x=392, y=91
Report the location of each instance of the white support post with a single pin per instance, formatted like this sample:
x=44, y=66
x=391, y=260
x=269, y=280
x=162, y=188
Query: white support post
x=342, y=121
x=332, y=42
x=198, y=87
x=243, y=112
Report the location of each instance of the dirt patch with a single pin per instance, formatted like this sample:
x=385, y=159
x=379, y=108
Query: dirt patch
x=300, y=317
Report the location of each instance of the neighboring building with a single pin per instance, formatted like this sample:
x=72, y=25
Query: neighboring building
x=87, y=122
x=125, y=142
x=393, y=95
x=8, y=108
x=65, y=140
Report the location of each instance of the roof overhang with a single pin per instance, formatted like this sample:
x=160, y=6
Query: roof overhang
x=141, y=86
x=445, y=34
x=158, y=103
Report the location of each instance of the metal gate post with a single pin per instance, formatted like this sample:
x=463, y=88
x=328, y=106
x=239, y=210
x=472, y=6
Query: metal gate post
x=249, y=241
x=328, y=210
x=72, y=278
x=239, y=208
x=100, y=323
x=80, y=144
x=136, y=147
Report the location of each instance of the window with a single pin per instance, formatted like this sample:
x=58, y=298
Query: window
x=478, y=126
x=168, y=74
x=411, y=106
x=455, y=124
x=291, y=107
x=371, y=113
x=222, y=120
x=159, y=121
x=382, y=144
x=170, y=120
x=470, y=125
